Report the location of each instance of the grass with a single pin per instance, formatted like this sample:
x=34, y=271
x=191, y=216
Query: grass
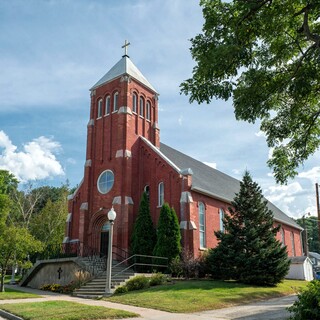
x=193, y=296
x=15, y=294
x=7, y=279
x=64, y=310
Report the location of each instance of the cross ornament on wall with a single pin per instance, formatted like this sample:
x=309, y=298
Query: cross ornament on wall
x=59, y=271
x=125, y=46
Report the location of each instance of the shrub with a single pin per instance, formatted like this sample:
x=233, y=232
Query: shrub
x=46, y=287
x=54, y=287
x=175, y=267
x=137, y=283
x=188, y=266
x=157, y=279
x=308, y=304
x=121, y=289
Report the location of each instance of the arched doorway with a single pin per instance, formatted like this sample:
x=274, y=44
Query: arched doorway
x=104, y=239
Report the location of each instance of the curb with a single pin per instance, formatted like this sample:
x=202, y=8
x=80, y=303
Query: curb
x=8, y=315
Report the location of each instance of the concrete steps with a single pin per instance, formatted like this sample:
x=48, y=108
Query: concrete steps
x=97, y=286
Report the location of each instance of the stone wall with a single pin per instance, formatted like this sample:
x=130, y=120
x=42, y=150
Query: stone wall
x=60, y=271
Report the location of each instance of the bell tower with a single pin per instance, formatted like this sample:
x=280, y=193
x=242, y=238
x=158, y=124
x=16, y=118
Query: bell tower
x=124, y=106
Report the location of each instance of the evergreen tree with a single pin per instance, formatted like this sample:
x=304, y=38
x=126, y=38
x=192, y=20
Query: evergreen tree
x=248, y=251
x=144, y=236
x=168, y=234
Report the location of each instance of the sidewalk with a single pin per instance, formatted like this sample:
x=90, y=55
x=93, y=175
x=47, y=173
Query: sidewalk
x=268, y=310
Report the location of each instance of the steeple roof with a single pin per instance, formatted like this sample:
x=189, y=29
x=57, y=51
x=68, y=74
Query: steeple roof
x=122, y=67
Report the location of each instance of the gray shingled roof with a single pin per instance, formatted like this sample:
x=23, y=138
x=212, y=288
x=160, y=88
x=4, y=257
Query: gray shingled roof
x=124, y=66
x=215, y=183
x=314, y=255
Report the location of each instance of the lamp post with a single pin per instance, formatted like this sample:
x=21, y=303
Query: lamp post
x=111, y=217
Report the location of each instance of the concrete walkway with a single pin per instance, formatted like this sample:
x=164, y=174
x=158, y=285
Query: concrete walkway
x=267, y=310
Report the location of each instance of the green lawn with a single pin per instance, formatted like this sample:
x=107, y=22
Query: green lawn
x=193, y=296
x=15, y=294
x=63, y=310
x=7, y=278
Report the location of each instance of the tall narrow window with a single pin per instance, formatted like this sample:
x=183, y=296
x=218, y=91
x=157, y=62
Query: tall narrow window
x=115, y=101
x=134, y=102
x=160, y=194
x=107, y=111
x=292, y=244
x=148, y=111
x=221, y=217
x=147, y=191
x=99, y=114
x=283, y=240
x=141, y=111
x=202, y=225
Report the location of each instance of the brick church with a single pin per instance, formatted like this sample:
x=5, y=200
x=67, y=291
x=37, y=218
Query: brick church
x=124, y=158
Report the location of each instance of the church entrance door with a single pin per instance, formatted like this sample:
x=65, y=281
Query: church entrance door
x=104, y=239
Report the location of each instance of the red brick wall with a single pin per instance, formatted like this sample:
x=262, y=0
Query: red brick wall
x=120, y=131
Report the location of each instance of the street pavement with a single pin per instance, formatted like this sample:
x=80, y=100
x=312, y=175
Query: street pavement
x=271, y=309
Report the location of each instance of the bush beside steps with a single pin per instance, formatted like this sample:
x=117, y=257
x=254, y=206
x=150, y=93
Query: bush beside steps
x=142, y=282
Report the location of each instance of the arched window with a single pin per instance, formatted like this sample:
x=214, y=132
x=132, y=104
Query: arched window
x=283, y=240
x=108, y=107
x=160, y=194
x=292, y=244
x=148, y=111
x=221, y=217
x=115, y=101
x=134, y=102
x=202, y=225
x=99, y=114
x=141, y=111
x=147, y=191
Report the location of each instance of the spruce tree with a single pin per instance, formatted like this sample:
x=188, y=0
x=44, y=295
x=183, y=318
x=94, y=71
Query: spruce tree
x=144, y=235
x=168, y=234
x=248, y=250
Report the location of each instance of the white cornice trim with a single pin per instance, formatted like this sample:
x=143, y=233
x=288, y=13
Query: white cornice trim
x=158, y=152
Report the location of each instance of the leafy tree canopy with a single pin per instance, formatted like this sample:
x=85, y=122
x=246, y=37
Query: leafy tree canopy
x=15, y=244
x=8, y=182
x=264, y=54
x=311, y=225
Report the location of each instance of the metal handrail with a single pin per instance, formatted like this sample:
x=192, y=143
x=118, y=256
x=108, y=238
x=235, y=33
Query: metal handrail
x=140, y=264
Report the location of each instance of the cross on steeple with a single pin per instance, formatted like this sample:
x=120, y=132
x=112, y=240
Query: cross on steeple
x=125, y=46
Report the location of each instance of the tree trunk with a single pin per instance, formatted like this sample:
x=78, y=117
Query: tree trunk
x=3, y=273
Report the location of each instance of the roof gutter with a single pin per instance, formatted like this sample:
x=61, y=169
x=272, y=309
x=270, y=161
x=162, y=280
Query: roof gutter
x=210, y=194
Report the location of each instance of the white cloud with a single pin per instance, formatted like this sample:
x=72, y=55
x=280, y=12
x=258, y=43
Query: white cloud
x=311, y=174
x=284, y=196
x=276, y=193
x=35, y=162
x=180, y=120
x=237, y=172
x=211, y=164
x=260, y=134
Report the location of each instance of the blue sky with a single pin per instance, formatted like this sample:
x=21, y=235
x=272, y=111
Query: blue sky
x=52, y=52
